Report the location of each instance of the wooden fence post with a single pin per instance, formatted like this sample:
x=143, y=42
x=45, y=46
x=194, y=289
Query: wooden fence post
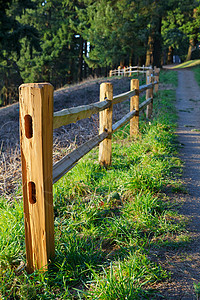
x=119, y=71
x=157, y=72
x=105, y=124
x=149, y=94
x=110, y=73
x=147, y=91
x=134, y=104
x=36, y=139
x=125, y=71
x=129, y=74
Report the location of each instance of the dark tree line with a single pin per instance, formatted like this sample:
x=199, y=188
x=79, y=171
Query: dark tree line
x=65, y=41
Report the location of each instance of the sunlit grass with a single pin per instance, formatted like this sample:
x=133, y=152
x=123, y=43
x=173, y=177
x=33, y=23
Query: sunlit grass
x=105, y=219
x=188, y=64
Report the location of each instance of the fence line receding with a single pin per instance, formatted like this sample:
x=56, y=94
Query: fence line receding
x=37, y=122
x=128, y=71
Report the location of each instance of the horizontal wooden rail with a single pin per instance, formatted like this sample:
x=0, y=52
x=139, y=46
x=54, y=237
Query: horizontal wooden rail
x=123, y=121
x=74, y=114
x=123, y=97
x=129, y=115
x=38, y=172
x=145, y=68
x=145, y=87
x=145, y=103
x=129, y=70
x=68, y=162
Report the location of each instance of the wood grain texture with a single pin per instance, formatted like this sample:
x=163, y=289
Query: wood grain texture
x=69, y=161
x=36, y=101
x=145, y=103
x=134, y=105
x=149, y=94
x=145, y=87
x=123, y=120
x=74, y=114
x=157, y=74
x=105, y=124
x=122, y=97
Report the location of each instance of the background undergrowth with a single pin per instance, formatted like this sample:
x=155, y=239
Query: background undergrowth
x=106, y=220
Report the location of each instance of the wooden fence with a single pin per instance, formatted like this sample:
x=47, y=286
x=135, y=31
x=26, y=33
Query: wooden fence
x=128, y=71
x=37, y=122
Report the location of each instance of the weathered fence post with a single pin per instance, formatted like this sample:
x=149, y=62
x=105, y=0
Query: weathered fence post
x=36, y=139
x=148, y=75
x=110, y=73
x=125, y=71
x=119, y=71
x=129, y=71
x=105, y=124
x=157, y=73
x=149, y=94
x=134, y=104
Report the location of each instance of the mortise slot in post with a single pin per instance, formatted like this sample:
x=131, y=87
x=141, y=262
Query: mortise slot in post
x=32, y=192
x=28, y=126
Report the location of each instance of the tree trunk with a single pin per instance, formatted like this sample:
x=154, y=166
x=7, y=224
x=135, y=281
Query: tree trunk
x=141, y=60
x=80, y=60
x=131, y=58
x=149, y=57
x=157, y=44
x=122, y=63
x=190, y=49
x=6, y=86
x=85, y=65
x=170, y=56
x=193, y=41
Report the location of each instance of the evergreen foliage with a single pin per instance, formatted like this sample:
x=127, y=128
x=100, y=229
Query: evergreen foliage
x=65, y=41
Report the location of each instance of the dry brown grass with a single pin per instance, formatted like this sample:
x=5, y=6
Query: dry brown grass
x=66, y=138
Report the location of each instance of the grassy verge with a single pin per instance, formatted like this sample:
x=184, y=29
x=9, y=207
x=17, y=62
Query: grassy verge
x=168, y=78
x=197, y=74
x=106, y=221
x=188, y=64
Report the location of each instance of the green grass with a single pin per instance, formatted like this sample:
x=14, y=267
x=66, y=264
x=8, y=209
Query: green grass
x=197, y=74
x=106, y=220
x=197, y=289
x=172, y=79
x=188, y=64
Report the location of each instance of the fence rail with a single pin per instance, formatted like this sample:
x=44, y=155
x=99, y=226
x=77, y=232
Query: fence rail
x=37, y=122
x=74, y=114
x=124, y=71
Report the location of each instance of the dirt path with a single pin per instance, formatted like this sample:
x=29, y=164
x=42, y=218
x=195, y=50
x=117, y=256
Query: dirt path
x=184, y=263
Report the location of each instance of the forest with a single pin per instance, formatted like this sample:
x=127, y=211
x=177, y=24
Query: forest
x=66, y=41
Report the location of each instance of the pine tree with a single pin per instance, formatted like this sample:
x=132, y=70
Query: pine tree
x=180, y=29
x=11, y=34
